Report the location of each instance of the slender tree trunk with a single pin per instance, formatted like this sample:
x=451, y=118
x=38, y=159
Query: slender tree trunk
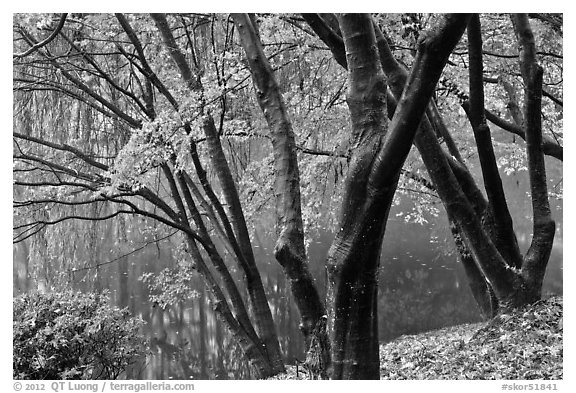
x=258, y=301
x=253, y=353
x=220, y=352
x=289, y=250
x=239, y=324
x=503, y=236
x=123, y=274
x=480, y=288
x=544, y=228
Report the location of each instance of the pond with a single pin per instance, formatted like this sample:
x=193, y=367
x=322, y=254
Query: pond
x=422, y=287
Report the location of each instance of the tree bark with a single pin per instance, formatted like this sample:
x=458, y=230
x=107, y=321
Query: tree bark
x=353, y=258
x=439, y=164
x=374, y=170
x=544, y=228
x=289, y=250
x=258, y=301
x=504, y=236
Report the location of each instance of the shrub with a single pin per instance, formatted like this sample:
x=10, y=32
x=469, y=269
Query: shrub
x=71, y=335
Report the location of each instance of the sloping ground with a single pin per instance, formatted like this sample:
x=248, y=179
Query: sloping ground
x=526, y=344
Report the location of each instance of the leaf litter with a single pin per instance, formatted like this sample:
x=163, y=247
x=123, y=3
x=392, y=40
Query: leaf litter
x=525, y=344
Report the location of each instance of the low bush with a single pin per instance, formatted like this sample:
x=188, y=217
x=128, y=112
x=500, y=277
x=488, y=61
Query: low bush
x=70, y=335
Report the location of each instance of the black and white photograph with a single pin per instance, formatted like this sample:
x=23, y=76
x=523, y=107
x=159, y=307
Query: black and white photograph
x=202, y=196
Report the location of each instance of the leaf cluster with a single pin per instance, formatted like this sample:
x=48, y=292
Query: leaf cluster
x=173, y=285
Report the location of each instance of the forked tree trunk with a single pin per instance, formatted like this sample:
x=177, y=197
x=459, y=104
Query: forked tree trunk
x=376, y=162
x=501, y=221
x=353, y=258
x=482, y=229
x=490, y=242
x=397, y=76
x=439, y=165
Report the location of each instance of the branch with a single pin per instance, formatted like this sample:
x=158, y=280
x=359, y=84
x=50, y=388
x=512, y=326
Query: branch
x=109, y=79
x=409, y=174
x=54, y=184
x=44, y=223
x=18, y=204
x=332, y=39
x=556, y=100
x=555, y=21
x=146, y=69
x=549, y=146
x=545, y=92
x=63, y=147
x=53, y=86
x=192, y=81
x=41, y=44
x=61, y=168
x=83, y=87
x=124, y=255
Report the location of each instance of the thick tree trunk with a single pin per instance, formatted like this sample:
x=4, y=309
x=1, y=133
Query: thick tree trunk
x=370, y=185
x=353, y=258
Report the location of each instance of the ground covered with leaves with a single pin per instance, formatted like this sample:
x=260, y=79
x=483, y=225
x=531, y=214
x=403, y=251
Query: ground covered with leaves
x=525, y=344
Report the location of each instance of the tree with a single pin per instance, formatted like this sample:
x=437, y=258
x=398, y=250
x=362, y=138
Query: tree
x=375, y=166
x=150, y=148
x=483, y=228
x=133, y=114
